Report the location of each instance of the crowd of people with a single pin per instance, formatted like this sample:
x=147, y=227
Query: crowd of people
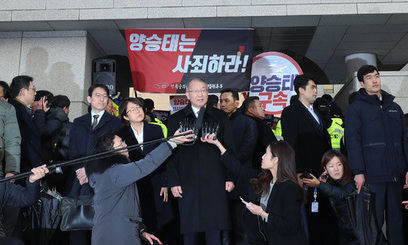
x=222, y=177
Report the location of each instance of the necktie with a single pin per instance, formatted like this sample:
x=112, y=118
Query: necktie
x=95, y=121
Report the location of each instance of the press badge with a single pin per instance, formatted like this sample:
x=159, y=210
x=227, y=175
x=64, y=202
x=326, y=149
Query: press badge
x=315, y=207
x=315, y=203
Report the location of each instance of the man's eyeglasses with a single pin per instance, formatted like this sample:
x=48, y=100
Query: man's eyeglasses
x=201, y=91
x=133, y=109
x=33, y=88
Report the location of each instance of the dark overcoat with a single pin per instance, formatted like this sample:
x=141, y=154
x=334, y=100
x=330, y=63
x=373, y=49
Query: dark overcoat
x=264, y=137
x=197, y=169
x=309, y=141
x=30, y=139
x=155, y=212
x=81, y=143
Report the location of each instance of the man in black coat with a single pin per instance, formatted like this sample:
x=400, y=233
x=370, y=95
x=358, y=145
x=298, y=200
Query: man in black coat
x=245, y=136
x=84, y=133
x=304, y=130
x=195, y=175
x=23, y=92
x=254, y=109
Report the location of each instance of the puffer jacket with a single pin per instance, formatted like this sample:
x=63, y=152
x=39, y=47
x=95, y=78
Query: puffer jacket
x=10, y=138
x=338, y=194
x=377, y=138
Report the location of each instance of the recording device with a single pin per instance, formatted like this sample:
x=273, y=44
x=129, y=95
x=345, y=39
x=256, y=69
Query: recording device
x=306, y=175
x=47, y=95
x=186, y=125
x=47, y=99
x=209, y=128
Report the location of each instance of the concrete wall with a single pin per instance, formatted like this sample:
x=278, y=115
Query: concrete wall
x=50, y=10
x=58, y=61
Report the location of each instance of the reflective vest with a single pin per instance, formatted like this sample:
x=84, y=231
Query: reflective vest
x=278, y=131
x=161, y=124
x=336, y=132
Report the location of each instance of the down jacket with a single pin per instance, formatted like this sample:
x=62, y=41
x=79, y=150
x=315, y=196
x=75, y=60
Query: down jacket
x=377, y=137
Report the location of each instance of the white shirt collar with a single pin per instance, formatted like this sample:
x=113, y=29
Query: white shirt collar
x=138, y=136
x=312, y=112
x=100, y=115
x=195, y=110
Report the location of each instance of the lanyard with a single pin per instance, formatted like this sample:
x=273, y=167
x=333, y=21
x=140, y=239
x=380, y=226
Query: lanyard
x=315, y=194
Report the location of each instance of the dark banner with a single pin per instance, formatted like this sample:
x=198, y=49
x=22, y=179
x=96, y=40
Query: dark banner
x=162, y=60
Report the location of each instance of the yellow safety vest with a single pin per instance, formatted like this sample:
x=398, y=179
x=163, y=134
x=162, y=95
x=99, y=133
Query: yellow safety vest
x=161, y=124
x=336, y=132
x=278, y=131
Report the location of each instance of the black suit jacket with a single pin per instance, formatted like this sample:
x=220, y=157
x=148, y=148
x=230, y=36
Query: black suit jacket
x=150, y=132
x=284, y=220
x=301, y=131
x=30, y=138
x=82, y=139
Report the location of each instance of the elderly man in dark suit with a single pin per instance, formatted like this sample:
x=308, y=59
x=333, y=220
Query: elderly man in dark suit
x=84, y=133
x=195, y=174
x=304, y=130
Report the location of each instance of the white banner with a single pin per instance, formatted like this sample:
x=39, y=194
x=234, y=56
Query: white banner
x=272, y=80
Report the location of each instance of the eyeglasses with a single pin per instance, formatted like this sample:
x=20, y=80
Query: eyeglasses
x=98, y=95
x=33, y=88
x=201, y=91
x=133, y=109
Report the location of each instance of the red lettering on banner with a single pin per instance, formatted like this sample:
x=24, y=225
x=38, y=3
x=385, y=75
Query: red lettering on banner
x=280, y=99
x=162, y=60
x=267, y=101
x=169, y=42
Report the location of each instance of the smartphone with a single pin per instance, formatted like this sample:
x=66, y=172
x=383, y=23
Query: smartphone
x=245, y=202
x=306, y=175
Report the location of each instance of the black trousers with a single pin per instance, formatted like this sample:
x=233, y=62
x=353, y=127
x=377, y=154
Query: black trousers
x=388, y=199
x=10, y=219
x=80, y=237
x=10, y=241
x=322, y=225
x=195, y=238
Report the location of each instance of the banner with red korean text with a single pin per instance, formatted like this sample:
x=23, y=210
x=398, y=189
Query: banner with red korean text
x=272, y=80
x=163, y=60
